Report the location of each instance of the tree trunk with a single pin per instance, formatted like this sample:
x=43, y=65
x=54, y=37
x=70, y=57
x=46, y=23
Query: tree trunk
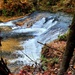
x=69, y=49
x=35, y=3
x=0, y=39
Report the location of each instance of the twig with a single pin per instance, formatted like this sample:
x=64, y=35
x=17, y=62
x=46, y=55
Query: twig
x=43, y=44
x=49, y=46
x=28, y=56
x=36, y=64
x=0, y=38
x=0, y=43
x=72, y=69
x=3, y=68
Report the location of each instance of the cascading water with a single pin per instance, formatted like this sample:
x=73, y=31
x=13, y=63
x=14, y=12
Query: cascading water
x=45, y=28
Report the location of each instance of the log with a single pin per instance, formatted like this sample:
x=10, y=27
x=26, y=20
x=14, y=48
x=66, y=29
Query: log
x=3, y=68
x=49, y=46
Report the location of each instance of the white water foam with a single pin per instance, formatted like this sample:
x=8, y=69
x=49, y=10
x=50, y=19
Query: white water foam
x=10, y=23
x=44, y=34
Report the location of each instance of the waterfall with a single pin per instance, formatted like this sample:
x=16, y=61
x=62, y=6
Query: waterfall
x=45, y=28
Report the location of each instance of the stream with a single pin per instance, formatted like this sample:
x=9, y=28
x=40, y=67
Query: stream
x=38, y=26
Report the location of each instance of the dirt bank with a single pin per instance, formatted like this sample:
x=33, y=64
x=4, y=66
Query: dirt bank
x=51, y=57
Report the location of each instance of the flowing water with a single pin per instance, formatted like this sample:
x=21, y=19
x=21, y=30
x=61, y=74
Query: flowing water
x=39, y=26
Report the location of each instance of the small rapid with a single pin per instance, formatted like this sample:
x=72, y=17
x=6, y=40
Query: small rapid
x=45, y=27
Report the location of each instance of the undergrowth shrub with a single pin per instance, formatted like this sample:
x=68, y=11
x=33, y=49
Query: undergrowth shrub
x=48, y=2
x=63, y=37
x=50, y=61
x=52, y=2
x=16, y=8
x=0, y=12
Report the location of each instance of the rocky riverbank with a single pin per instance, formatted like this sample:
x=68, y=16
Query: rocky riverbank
x=46, y=26
x=51, y=56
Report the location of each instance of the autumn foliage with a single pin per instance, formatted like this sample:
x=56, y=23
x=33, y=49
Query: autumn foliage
x=13, y=7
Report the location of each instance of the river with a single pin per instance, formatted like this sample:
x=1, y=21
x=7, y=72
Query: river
x=38, y=26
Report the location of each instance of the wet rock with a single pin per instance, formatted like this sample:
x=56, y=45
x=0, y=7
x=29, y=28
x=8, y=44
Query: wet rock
x=1, y=21
x=5, y=29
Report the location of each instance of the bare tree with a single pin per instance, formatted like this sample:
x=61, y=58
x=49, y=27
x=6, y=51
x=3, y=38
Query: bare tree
x=69, y=48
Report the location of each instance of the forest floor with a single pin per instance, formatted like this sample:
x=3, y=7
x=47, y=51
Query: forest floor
x=51, y=58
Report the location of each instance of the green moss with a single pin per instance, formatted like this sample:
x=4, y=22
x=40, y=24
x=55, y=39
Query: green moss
x=4, y=12
x=63, y=37
x=46, y=61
